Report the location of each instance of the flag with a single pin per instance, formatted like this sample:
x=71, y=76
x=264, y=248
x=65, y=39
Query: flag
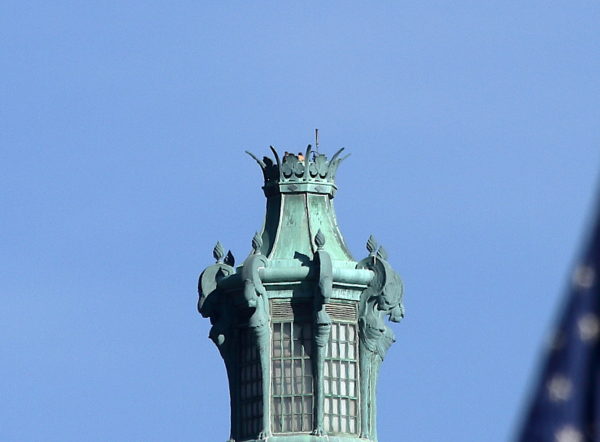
x=565, y=406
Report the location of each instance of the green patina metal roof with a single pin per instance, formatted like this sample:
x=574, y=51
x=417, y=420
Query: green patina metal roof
x=300, y=191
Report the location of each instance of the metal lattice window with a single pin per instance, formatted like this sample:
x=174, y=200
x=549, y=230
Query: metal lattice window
x=251, y=408
x=292, y=377
x=341, y=380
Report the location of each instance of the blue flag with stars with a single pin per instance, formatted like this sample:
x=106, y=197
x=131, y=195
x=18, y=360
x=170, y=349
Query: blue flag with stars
x=566, y=402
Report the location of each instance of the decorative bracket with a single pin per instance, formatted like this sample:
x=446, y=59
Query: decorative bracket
x=214, y=304
x=383, y=297
x=255, y=298
x=322, y=327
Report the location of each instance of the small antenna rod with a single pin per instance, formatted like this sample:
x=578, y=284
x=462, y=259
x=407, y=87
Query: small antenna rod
x=317, y=140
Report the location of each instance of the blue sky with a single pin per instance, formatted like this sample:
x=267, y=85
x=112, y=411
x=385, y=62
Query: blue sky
x=474, y=134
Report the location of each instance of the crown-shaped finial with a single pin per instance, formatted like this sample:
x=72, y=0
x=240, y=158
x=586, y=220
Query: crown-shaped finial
x=308, y=172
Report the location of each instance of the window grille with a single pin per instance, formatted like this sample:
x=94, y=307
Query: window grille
x=251, y=408
x=340, y=376
x=292, y=377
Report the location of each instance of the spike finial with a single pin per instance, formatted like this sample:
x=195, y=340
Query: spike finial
x=382, y=253
x=257, y=242
x=229, y=259
x=371, y=245
x=218, y=252
x=319, y=239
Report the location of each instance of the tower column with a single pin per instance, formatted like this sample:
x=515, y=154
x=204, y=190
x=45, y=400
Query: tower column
x=301, y=324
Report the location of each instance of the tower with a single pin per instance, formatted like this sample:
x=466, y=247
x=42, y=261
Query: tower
x=300, y=324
